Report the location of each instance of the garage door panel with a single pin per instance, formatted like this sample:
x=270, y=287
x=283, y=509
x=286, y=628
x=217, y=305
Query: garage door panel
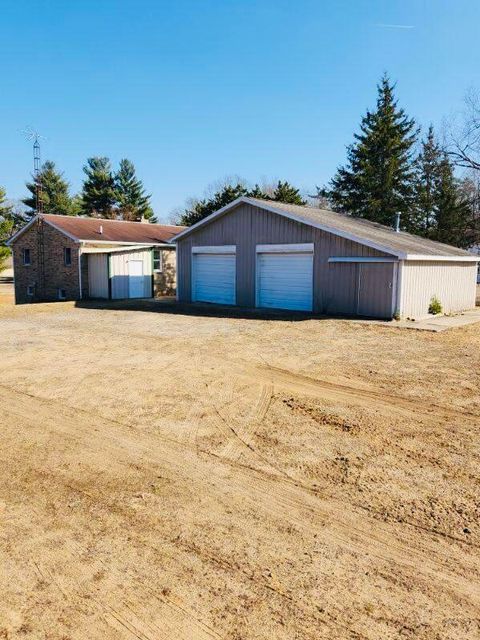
x=285, y=281
x=214, y=278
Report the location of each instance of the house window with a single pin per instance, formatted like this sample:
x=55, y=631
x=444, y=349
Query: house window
x=31, y=290
x=62, y=294
x=67, y=257
x=157, y=260
x=26, y=257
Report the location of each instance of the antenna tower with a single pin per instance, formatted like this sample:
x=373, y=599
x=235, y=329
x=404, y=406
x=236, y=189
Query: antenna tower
x=40, y=287
x=34, y=136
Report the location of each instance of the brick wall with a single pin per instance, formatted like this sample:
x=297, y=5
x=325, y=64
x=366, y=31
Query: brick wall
x=57, y=275
x=165, y=282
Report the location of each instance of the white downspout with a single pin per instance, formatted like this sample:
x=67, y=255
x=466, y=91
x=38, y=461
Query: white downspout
x=399, y=301
x=80, y=269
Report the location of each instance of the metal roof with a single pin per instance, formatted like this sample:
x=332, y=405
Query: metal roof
x=112, y=231
x=403, y=245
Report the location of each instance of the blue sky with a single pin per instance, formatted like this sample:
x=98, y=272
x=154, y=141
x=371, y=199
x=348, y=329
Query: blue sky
x=192, y=91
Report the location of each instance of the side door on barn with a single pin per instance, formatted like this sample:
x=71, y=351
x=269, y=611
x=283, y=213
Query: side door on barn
x=361, y=287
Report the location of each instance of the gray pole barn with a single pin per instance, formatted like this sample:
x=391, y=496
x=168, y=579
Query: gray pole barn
x=265, y=254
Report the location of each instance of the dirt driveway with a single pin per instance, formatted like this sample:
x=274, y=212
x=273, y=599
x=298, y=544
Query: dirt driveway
x=166, y=476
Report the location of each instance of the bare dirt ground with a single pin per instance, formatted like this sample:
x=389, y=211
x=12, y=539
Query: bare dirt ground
x=181, y=477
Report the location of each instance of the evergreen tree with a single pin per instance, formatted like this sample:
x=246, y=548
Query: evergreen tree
x=202, y=208
x=257, y=192
x=377, y=181
x=133, y=203
x=469, y=190
x=453, y=215
x=442, y=210
x=427, y=183
x=6, y=228
x=54, y=192
x=285, y=192
x=98, y=193
x=199, y=209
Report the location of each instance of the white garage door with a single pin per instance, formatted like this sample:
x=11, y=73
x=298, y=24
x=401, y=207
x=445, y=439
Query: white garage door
x=285, y=280
x=213, y=278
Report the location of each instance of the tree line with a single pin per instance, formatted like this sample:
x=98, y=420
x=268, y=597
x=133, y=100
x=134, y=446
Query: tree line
x=197, y=209
x=390, y=170
x=105, y=193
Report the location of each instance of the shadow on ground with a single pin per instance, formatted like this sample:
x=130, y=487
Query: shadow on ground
x=171, y=306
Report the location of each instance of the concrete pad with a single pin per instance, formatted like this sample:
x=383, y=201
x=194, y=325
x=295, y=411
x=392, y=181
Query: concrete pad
x=442, y=323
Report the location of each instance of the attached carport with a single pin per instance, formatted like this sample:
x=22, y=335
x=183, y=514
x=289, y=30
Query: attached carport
x=119, y=273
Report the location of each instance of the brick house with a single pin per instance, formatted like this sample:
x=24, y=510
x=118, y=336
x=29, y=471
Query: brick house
x=74, y=258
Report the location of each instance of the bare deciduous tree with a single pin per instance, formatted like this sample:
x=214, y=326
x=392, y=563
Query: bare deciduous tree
x=464, y=138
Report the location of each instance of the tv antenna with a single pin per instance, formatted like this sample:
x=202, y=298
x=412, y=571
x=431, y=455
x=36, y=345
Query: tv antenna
x=35, y=137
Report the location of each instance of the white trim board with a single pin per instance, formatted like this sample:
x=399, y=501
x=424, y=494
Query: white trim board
x=136, y=247
x=361, y=259
x=226, y=248
x=284, y=248
x=430, y=258
x=150, y=244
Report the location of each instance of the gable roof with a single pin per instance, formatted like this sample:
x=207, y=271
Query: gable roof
x=88, y=230
x=404, y=246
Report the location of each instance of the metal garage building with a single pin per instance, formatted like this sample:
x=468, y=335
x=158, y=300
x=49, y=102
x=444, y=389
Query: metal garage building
x=258, y=253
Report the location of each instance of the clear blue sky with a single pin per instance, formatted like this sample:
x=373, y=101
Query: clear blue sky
x=193, y=90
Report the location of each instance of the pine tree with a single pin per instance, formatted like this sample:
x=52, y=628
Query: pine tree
x=377, y=182
x=202, y=208
x=199, y=209
x=442, y=210
x=133, y=203
x=258, y=192
x=6, y=228
x=54, y=192
x=454, y=215
x=285, y=192
x=427, y=183
x=98, y=193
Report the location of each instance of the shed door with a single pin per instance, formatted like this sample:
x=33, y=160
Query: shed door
x=214, y=278
x=98, y=275
x=135, y=279
x=375, y=289
x=285, y=281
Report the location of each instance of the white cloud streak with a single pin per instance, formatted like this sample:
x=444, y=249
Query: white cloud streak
x=394, y=26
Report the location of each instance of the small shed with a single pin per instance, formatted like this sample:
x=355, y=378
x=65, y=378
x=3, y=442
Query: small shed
x=265, y=254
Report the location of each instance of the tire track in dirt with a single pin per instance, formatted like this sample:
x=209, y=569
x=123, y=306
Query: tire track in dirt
x=356, y=395
x=130, y=614
x=280, y=499
x=234, y=448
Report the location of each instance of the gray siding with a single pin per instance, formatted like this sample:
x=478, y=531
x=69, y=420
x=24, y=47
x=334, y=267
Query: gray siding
x=98, y=275
x=335, y=287
x=453, y=283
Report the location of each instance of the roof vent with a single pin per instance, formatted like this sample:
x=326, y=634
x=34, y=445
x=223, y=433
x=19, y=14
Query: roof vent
x=397, y=222
x=101, y=228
